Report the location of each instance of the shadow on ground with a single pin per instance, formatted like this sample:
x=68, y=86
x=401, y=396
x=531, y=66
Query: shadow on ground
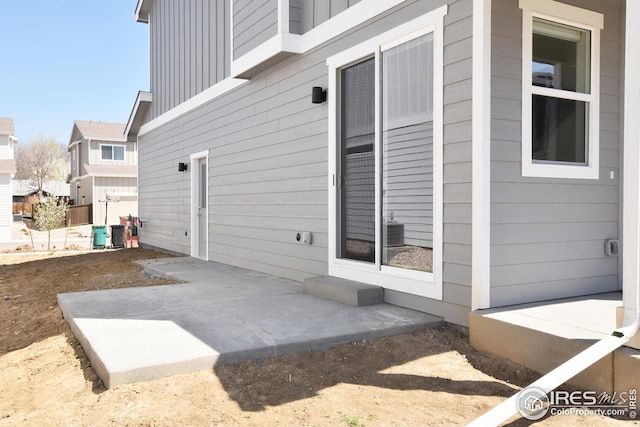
x=258, y=384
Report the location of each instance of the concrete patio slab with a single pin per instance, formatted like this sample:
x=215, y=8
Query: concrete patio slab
x=543, y=335
x=221, y=314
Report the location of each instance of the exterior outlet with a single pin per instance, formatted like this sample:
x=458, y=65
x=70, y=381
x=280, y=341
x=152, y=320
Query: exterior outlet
x=304, y=237
x=611, y=247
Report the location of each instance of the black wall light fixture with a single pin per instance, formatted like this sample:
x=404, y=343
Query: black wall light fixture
x=318, y=95
x=182, y=167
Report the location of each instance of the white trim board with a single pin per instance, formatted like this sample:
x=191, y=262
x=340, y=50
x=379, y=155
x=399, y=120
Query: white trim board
x=631, y=169
x=120, y=140
x=481, y=164
x=293, y=43
x=111, y=175
x=208, y=95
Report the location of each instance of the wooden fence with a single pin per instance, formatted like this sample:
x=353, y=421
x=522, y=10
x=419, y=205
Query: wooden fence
x=22, y=208
x=80, y=214
x=76, y=215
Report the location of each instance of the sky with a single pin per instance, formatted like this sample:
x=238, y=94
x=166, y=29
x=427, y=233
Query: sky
x=67, y=60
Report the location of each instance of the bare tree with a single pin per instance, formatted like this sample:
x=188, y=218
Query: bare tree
x=42, y=159
x=49, y=215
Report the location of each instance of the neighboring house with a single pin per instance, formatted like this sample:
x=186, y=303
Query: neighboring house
x=104, y=170
x=7, y=170
x=468, y=154
x=26, y=193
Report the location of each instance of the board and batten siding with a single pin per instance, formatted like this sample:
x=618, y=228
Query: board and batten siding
x=254, y=22
x=548, y=235
x=295, y=16
x=126, y=205
x=268, y=163
x=116, y=185
x=189, y=50
x=315, y=12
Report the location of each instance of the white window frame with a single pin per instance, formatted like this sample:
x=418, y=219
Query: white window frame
x=561, y=13
x=113, y=146
x=404, y=280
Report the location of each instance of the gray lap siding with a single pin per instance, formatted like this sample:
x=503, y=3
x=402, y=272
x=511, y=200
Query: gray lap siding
x=268, y=163
x=547, y=235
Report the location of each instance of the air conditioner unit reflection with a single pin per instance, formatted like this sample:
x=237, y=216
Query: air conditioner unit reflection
x=543, y=79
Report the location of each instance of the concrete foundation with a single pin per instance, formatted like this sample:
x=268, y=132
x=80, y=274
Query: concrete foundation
x=542, y=336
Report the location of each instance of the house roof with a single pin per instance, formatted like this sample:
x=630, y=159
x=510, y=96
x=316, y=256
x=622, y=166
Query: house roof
x=7, y=166
x=25, y=187
x=97, y=130
x=6, y=126
x=111, y=170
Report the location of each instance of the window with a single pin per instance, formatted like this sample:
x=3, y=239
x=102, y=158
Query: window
x=386, y=154
x=112, y=152
x=560, y=96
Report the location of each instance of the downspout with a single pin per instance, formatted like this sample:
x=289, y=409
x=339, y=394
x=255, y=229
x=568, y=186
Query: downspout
x=631, y=240
x=561, y=374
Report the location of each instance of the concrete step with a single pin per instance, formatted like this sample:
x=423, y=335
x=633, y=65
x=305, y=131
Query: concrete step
x=344, y=291
x=544, y=335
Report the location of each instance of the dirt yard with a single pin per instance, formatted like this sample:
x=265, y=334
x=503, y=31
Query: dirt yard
x=430, y=377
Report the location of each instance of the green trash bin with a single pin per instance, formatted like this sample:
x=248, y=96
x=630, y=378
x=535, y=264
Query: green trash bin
x=99, y=233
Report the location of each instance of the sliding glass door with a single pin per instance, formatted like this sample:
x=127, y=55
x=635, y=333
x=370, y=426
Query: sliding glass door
x=386, y=176
x=357, y=163
x=388, y=165
x=407, y=154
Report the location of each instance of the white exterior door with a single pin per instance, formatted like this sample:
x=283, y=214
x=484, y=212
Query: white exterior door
x=199, y=205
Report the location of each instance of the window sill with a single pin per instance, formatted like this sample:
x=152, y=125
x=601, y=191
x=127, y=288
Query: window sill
x=542, y=170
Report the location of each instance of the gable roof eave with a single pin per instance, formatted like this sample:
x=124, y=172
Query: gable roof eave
x=138, y=112
x=75, y=136
x=141, y=14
